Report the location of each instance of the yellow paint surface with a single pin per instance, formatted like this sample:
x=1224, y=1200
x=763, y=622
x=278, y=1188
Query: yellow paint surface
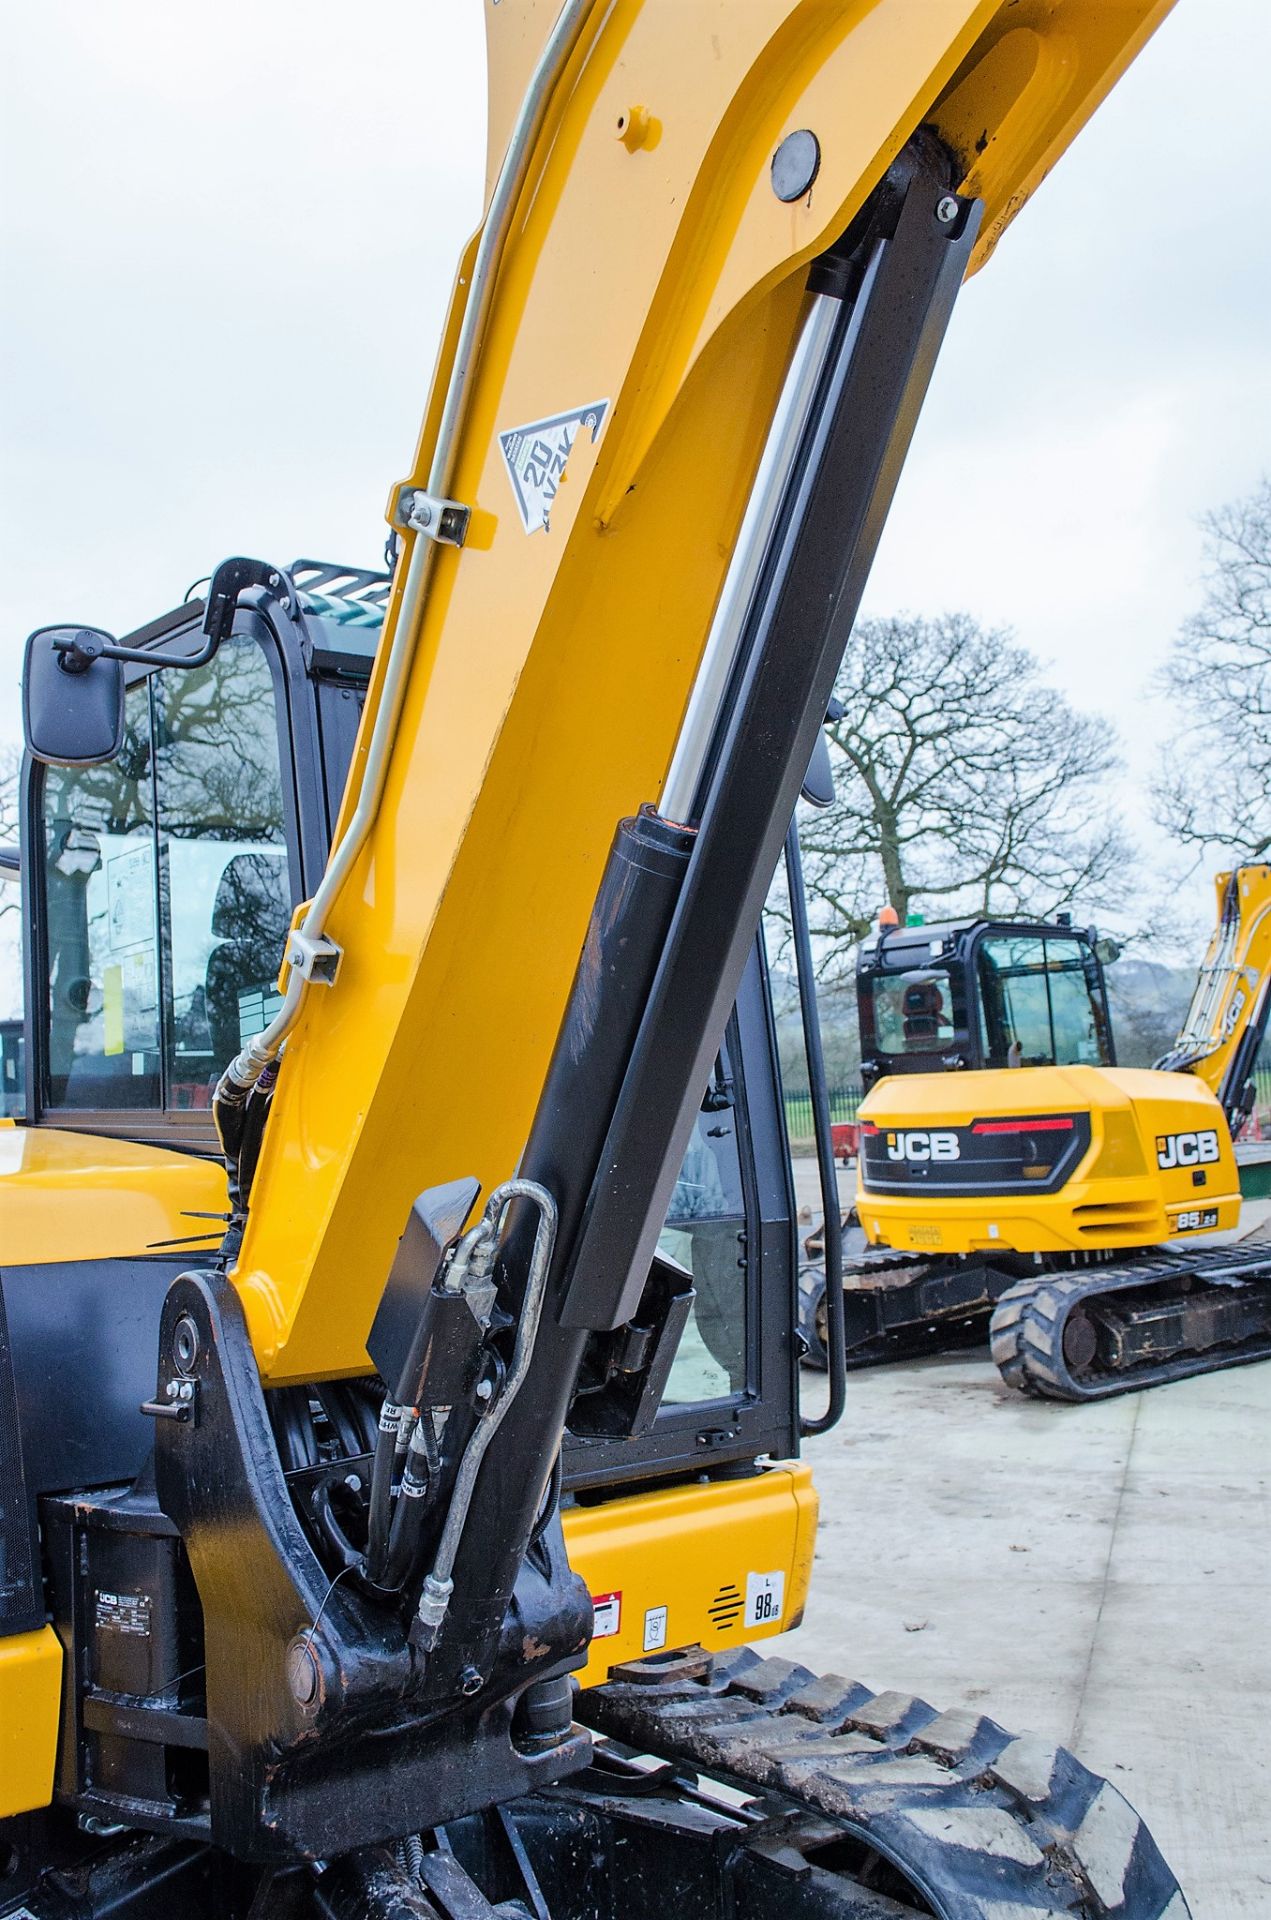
x=30, y=1694
x=77, y=1196
x=550, y=668
x=687, y=1553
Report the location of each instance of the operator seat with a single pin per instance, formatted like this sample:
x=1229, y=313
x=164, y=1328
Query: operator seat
x=923, y=1009
x=250, y=917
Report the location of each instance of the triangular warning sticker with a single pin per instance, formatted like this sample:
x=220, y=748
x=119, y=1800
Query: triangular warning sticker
x=536, y=457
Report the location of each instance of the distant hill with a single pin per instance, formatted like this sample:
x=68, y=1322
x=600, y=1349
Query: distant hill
x=1149, y=1003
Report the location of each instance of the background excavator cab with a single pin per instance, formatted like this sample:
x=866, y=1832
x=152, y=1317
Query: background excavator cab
x=982, y=992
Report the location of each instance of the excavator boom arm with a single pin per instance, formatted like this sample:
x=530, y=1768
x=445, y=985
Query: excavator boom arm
x=619, y=335
x=1228, y=1012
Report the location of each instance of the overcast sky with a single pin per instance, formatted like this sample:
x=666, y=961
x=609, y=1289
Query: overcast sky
x=228, y=235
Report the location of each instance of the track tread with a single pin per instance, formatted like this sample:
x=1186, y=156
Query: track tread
x=1026, y=1332
x=987, y=1825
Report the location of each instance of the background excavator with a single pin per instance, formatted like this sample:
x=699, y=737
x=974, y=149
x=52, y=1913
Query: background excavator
x=952, y=996
x=1058, y=1198
x=349, y=1405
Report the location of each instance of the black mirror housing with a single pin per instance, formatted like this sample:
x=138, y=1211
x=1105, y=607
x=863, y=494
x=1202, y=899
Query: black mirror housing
x=72, y=697
x=818, y=781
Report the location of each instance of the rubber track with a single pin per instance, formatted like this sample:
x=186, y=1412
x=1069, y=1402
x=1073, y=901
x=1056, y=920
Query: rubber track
x=1026, y=1335
x=895, y=1342
x=986, y=1825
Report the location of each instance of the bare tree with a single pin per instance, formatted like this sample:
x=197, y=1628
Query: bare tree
x=1218, y=763
x=964, y=783
x=10, y=774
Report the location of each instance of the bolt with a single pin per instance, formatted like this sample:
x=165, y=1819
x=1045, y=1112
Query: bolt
x=186, y=1390
x=171, y=1389
x=420, y=514
x=302, y=1674
x=796, y=164
x=185, y=1343
x=947, y=210
x=484, y=1389
x=634, y=128
x=470, y=1682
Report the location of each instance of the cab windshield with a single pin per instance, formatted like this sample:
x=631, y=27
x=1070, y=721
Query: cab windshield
x=167, y=893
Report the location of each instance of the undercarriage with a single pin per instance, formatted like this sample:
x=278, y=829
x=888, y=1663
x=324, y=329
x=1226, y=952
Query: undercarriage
x=735, y=1788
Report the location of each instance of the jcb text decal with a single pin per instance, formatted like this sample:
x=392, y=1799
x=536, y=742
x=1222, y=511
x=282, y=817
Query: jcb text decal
x=1186, y=1149
x=911, y=1145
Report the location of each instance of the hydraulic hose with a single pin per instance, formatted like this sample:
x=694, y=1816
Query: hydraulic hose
x=435, y=1598
x=243, y=1071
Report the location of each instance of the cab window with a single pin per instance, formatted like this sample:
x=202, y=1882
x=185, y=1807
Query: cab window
x=1041, y=1004
x=916, y=1011
x=167, y=892
x=705, y=1232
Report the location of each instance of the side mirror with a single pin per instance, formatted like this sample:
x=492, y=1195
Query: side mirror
x=818, y=781
x=72, y=697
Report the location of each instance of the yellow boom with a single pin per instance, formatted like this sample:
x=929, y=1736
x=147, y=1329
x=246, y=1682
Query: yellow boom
x=618, y=334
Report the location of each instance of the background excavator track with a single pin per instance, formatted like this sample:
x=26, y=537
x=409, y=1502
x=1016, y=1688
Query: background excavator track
x=1135, y=1323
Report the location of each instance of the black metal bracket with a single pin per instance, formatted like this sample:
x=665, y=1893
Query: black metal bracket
x=232, y=578
x=317, y=1704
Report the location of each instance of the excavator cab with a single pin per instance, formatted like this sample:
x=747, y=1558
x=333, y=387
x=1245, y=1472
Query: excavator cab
x=981, y=993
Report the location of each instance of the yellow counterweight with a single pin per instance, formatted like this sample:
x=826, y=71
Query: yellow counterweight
x=1043, y=1160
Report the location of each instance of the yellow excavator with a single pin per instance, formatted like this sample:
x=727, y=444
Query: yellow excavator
x=394, y=1341
x=1075, y=1199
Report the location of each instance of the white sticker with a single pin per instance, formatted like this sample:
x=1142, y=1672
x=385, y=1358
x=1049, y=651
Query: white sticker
x=765, y=1598
x=536, y=456
x=608, y=1611
x=654, y=1629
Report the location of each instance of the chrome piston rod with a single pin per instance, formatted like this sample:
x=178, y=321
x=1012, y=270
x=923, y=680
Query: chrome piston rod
x=760, y=521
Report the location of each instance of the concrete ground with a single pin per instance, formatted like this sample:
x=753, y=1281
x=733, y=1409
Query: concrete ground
x=1100, y=1575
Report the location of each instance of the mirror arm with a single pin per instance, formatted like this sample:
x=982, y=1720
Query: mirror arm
x=231, y=579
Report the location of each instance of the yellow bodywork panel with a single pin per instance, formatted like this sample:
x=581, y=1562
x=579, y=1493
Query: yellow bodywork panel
x=1159, y=1165
x=77, y=1196
x=30, y=1705
x=654, y=286
x=715, y=1565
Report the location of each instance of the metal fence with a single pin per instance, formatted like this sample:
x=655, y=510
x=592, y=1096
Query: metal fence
x=843, y=1104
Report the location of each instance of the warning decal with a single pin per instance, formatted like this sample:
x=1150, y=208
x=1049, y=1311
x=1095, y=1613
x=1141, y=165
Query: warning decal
x=536, y=457
x=608, y=1609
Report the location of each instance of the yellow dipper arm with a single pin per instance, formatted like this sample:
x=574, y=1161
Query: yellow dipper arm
x=1228, y=1011
x=637, y=292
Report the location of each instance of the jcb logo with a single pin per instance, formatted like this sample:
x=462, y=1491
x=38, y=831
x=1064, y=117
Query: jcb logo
x=1186, y=1149
x=923, y=1146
